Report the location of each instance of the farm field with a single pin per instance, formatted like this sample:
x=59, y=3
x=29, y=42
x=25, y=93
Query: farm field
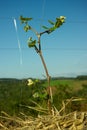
x=15, y=95
x=17, y=101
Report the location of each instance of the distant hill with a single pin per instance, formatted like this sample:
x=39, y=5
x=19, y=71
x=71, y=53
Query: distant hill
x=82, y=77
x=79, y=77
x=7, y=79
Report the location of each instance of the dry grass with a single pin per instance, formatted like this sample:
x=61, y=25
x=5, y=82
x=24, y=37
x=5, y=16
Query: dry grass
x=58, y=120
x=78, y=84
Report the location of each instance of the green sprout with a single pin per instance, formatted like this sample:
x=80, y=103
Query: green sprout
x=36, y=44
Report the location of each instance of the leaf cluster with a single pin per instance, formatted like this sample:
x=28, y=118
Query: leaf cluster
x=31, y=43
x=59, y=21
x=24, y=20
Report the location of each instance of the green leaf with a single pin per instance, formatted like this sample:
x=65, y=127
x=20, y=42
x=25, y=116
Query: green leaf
x=62, y=18
x=58, y=24
x=36, y=95
x=26, y=28
x=45, y=27
x=23, y=19
x=32, y=44
x=59, y=21
x=51, y=22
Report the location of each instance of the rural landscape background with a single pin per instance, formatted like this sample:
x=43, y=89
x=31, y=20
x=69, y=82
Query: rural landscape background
x=16, y=95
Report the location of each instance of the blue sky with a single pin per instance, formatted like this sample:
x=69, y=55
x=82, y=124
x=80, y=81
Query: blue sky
x=65, y=50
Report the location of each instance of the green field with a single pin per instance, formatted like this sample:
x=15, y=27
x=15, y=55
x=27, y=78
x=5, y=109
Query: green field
x=15, y=95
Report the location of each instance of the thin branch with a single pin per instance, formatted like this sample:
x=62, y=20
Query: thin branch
x=37, y=50
x=47, y=31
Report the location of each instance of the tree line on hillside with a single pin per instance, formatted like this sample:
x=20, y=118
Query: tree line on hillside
x=79, y=77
